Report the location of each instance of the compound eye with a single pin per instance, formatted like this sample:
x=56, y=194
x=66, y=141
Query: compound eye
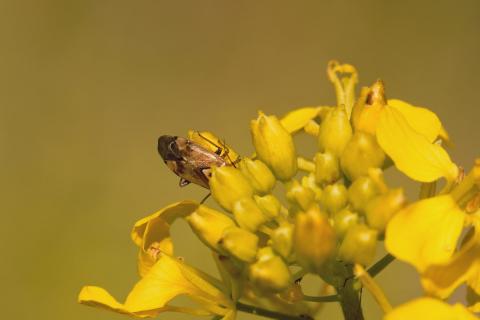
x=172, y=146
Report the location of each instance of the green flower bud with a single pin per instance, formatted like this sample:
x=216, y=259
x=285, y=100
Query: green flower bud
x=314, y=239
x=209, y=224
x=343, y=220
x=300, y=195
x=334, y=197
x=361, y=153
x=258, y=174
x=381, y=208
x=309, y=182
x=240, y=243
x=282, y=240
x=361, y=191
x=248, y=215
x=269, y=273
x=228, y=185
x=274, y=146
x=269, y=205
x=359, y=245
x=335, y=131
x=327, y=169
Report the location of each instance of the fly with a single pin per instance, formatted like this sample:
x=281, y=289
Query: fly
x=190, y=161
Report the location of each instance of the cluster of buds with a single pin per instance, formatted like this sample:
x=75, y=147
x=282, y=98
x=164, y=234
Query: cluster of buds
x=334, y=210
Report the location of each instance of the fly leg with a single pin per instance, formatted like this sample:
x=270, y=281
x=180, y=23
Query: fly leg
x=205, y=198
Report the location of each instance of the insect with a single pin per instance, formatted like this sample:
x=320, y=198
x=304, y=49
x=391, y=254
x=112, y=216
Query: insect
x=193, y=161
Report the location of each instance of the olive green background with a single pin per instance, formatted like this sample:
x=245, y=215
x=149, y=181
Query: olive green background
x=86, y=88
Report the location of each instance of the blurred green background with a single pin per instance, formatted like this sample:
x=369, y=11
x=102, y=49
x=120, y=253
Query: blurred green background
x=88, y=86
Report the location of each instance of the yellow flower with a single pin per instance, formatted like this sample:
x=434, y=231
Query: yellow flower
x=464, y=267
x=167, y=278
x=163, y=276
x=406, y=133
x=411, y=151
x=152, y=234
x=429, y=308
x=425, y=232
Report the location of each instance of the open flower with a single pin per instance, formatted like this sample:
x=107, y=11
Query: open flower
x=166, y=279
x=425, y=232
x=406, y=134
x=163, y=276
x=429, y=308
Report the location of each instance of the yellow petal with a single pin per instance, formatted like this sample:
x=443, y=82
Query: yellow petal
x=167, y=279
x=152, y=233
x=441, y=280
x=412, y=152
x=425, y=232
x=420, y=119
x=299, y=118
x=429, y=308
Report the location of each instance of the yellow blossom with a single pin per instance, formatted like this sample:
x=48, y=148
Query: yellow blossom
x=464, y=267
x=152, y=234
x=425, y=232
x=167, y=279
x=429, y=308
x=406, y=133
x=412, y=152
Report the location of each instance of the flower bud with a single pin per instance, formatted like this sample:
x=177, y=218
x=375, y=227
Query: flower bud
x=209, y=224
x=274, y=146
x=327, y=169
x=359, y=245
x=269, y=273
x=258, y=174
x=299, y=194
x=228, y=185
x=343, y=220
x=361, y=191
x=334, y=198
x=367, y=114
x=240, y=243
x=361, y=153
x=282, y=240
x=269, y=205
x=293, y=293
x=309, y=182
x=335, y=131
x=314, y=239
x=381, y=208
x=248, y=215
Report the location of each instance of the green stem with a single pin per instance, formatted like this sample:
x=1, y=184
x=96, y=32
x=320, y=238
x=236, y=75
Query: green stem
x=380, y=265
x=331, y=298
x=268, y=313
x=350, y=301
